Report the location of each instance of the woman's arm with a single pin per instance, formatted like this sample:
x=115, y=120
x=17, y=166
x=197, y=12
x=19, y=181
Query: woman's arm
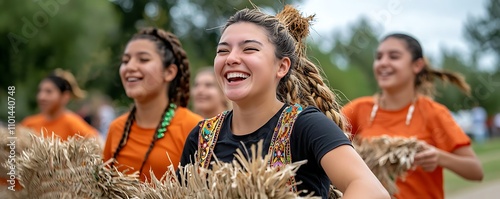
x=462, y=161
x=349, y=173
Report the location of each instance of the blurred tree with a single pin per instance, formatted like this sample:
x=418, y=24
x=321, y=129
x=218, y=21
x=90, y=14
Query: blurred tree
x=348, y=83
x=355, y=53
x=48, y=34
x=484, y=32
x=196, y=22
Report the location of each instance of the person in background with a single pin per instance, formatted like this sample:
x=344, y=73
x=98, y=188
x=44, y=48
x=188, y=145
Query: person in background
x=208, y=98
x=54, y=93
x=479, y=128
x=103, y=112
x=404, y=108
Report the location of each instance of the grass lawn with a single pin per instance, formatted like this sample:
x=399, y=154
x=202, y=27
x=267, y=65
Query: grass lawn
x=489, y=154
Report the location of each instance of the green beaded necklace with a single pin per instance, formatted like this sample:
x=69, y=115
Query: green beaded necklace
x=162, y=129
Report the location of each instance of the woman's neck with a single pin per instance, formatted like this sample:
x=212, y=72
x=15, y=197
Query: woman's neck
x=248, y=118
x=149, y=112
x=55, y=114
x=394, y=100
x=212, y=113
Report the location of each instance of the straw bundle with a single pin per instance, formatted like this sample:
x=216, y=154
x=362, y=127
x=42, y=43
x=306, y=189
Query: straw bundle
x=51, y=168
x=242, y=178
x=389, y=158
x=22, y=140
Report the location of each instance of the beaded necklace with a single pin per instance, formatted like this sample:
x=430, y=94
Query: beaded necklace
x=409, y=115
x=169, y=114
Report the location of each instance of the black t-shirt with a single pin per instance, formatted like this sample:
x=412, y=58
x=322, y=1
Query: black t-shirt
x=312, y=137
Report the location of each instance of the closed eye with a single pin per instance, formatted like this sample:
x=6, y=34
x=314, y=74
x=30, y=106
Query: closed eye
x=251, y=49
x=219, y=51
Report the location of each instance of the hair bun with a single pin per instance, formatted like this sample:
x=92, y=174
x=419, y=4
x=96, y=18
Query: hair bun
x=297, y=25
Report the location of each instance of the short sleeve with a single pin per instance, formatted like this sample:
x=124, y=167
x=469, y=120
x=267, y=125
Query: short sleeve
x=318, y=133
x=446, y=133
x=349, y=111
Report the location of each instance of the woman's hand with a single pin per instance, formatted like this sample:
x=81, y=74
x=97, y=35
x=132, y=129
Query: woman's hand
x=428, y=158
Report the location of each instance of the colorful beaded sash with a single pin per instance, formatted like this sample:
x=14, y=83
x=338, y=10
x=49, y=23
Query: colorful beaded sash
x=207, y=138
x=279, y=148
x=280, y=144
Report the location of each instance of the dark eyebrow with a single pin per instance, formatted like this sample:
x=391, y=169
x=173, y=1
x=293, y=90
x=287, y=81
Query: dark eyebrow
x=251, y=41
x=241, y=43
x=139, y=53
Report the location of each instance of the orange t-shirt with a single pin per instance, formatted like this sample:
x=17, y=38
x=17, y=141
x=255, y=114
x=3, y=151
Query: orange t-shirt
x=431, y=122
x=132, y=154
x=64, y=126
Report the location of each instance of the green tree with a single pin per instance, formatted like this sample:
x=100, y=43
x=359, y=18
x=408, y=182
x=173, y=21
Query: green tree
x=355, y=53
x=484, y=32
x=40, y=36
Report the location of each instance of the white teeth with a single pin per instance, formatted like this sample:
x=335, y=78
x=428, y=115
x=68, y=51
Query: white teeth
x=132, y=79
x=236, y=74
x=384, y=73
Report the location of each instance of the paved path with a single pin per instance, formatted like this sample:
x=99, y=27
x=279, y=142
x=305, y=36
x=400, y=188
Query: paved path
x=487, y=190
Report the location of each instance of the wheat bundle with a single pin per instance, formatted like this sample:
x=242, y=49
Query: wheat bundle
x=12, y=145
x=244, y=177
x=389, y=158
x=16, y=142
x=52, y=168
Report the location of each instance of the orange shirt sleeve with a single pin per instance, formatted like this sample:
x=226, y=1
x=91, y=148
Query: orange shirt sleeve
x=115, y=132
x=350, y=112
x=446, y=133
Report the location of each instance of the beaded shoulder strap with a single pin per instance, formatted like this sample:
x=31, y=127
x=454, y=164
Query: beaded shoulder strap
x=207, y=138
x=280, y=144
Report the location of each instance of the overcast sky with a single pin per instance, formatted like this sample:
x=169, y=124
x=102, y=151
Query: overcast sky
x=436, y=23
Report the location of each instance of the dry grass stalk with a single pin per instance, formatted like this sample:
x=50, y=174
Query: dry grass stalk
x=249, y=178
x=389, y=158
x=22, y=141
x=52, y=168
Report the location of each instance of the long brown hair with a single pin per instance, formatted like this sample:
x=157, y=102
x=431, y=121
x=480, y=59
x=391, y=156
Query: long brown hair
x=303, y=83
x=170, y=50
x=424, y=81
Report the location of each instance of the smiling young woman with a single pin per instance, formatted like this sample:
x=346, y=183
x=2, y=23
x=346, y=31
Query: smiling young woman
x=155, y=74
x=404, y=108
x=278, y=96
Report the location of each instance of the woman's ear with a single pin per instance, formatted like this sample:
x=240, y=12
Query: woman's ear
x=65, y=97
x=418, y=65
x=170, y=72
x=284, y=67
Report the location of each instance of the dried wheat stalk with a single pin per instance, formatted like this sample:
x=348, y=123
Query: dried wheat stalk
x=389, y=158
x=249, y=178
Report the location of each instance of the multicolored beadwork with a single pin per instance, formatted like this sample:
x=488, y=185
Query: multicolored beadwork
x=166, y=121
x=209, y=133
x=279, y=148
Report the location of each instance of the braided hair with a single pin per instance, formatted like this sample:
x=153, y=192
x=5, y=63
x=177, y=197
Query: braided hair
x=170, y=50
x=303, y=84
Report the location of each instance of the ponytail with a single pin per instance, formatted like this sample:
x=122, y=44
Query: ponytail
x=424, y=82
